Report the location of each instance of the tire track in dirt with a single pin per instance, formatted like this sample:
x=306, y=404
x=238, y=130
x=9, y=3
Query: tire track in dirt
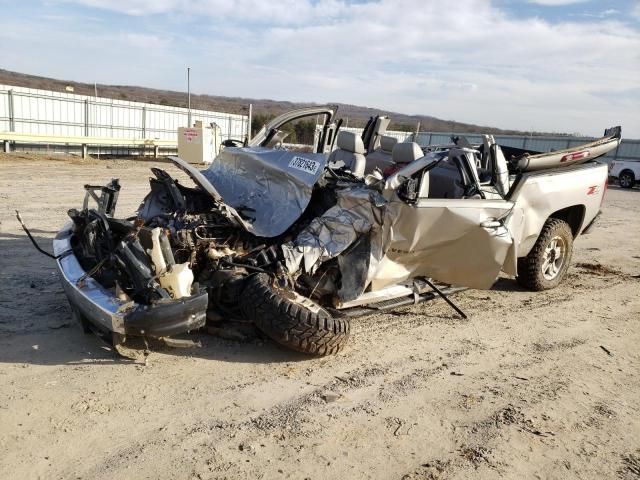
x=517, y=416
x=297, y=418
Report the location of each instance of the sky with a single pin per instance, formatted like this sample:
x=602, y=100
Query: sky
x=568, y=66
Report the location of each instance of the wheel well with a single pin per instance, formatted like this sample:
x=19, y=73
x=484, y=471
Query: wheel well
x=574, y=216
x=628, y=170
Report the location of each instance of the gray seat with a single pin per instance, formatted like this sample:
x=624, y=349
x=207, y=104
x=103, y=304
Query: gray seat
x=406, y=152
x=404, y=155
x=350, y=153
x=381, y=157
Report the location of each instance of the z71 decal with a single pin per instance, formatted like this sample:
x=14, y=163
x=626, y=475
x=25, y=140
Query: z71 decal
x=304, y=164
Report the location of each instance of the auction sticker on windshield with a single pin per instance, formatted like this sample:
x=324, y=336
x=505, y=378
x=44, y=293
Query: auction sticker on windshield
x=304, y=164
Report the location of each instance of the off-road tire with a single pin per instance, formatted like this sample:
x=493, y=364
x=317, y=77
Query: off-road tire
x=626, y=179
x=292, y=320
x=530, y=273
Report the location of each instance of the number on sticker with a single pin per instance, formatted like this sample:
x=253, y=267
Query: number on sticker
x=304, y=164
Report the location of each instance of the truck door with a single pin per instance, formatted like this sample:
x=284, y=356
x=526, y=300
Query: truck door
x=457, y=241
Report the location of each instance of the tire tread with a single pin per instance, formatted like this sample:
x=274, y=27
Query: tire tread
x=292, y=324
x=530, y=267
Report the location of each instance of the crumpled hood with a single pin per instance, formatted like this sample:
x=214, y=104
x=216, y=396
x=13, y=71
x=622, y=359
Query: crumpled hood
x=268, y=188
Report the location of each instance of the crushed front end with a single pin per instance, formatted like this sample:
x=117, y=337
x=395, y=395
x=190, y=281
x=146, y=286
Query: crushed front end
x=121, y=277
x=187, y=257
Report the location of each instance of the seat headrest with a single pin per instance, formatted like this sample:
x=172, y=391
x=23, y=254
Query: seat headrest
x=351, y=142
x=387, y=143
x=406, y=152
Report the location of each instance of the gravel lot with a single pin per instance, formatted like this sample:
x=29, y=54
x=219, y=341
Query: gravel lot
x=532, y=385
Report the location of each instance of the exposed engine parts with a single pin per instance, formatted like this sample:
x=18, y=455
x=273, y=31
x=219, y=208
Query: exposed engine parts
x=178, y=244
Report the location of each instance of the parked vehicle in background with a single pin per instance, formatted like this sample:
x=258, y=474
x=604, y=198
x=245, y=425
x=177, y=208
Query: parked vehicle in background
x=627, y=173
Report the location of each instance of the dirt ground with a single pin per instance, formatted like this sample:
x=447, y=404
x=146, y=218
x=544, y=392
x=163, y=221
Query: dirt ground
x=532, y=385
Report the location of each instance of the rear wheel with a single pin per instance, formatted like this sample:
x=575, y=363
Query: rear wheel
x=627, y=179
x=548, y=261
x=291, y=319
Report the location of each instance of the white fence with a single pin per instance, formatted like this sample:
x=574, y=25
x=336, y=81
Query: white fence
x=44, y=112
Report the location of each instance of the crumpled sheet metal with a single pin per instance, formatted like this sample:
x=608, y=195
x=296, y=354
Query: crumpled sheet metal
x=354, y=214
x=406, y=240
x=435, y=242
x=269, y=188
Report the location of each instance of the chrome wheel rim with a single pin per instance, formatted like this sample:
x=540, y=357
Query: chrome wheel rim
x=625, y=181
x=554, y=256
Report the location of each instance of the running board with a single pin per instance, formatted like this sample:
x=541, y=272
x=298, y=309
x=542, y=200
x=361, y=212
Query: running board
x=388, y=293
x=391, y=303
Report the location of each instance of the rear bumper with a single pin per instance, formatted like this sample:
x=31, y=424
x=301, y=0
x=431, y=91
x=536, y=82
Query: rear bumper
x=107, y=312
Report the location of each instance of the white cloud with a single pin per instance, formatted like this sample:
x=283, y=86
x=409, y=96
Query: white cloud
x=274, y=12
x=605, y=13
x=475, y=63
x=145, y=41
x=557, y=3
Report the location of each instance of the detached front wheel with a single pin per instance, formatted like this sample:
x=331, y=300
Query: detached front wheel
x=291, y=319
x=548, y=261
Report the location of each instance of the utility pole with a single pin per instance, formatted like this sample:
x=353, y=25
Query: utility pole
x=189, y=96
x=95, y=108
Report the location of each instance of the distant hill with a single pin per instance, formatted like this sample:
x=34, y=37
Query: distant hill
x=357, y=115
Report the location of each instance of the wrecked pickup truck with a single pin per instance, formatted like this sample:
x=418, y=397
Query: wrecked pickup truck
x=298, y=243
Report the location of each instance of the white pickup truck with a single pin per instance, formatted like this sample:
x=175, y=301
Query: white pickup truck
x=298, y=242
x=627, y=173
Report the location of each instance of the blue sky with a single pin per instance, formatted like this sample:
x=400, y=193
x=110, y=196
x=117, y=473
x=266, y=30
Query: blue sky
x=552, y=65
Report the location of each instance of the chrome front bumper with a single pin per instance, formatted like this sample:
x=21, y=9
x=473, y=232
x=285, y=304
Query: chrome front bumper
x=107, y=312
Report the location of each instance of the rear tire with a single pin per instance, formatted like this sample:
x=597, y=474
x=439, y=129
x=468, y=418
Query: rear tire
x=627, y=179
x=548, y=261
x=291, y=319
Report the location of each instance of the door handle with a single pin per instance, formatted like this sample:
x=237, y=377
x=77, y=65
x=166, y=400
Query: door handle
x=491, y=224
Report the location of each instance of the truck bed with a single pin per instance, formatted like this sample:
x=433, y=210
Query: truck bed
x=574, y=193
